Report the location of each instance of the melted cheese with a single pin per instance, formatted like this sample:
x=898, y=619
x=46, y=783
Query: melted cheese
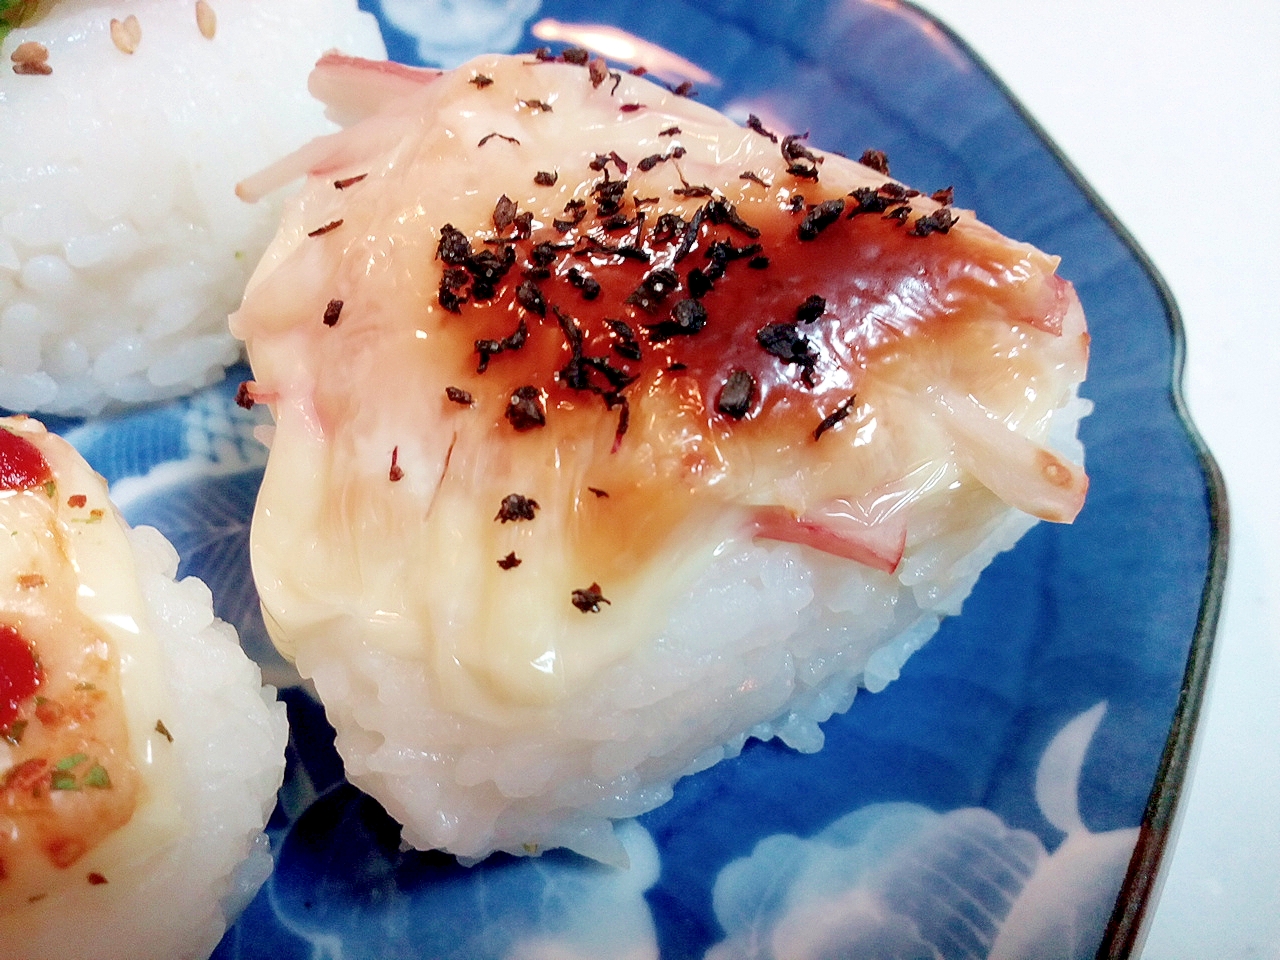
x=67, y=584
x=946, y=351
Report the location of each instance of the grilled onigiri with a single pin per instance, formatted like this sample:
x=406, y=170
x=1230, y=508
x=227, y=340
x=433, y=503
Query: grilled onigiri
x=609, y=433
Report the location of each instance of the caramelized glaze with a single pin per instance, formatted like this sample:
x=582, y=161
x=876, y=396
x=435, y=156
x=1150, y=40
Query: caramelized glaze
x=942, y=351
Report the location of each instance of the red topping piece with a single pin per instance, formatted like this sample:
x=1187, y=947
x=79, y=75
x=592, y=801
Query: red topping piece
x=840, y=529
x=22, y=465
x=20, y=675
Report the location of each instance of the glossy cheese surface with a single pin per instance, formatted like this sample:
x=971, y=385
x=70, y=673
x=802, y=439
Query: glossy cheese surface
x=658, y=330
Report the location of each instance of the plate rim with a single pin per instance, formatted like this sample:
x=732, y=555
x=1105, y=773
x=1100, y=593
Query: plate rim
x=1127, y=926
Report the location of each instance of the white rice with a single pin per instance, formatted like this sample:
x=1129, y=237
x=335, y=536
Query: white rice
x=229, y=735
x=771, y=641
x=122, y=244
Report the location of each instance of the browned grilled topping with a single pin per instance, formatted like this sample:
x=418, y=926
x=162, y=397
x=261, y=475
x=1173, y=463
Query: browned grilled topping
x=651, y=161
x=753, y=123
x=530, y=297
x=490, y=348
x=332, y=312
x=516, y=507
x=654, y=289
x=589, y=600
x=687, y=318
x=504, y=212
x=819, y=218
x=793, y=148
x=459, y=396
x=737, y=394
x=454, y=247
x=813, y=307
x=830, y=420
x=785, y=342
x=877, y=160
x=940, y=221
x=601, y=160
x=589, y=286
x=526, y=409
x=721, y=211
x=690, y=190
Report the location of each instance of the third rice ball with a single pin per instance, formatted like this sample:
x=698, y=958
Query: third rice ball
x=125, y=128
x=609, y=433
x=139, y=752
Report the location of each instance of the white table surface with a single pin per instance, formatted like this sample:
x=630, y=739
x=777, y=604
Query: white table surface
x=1171, y=110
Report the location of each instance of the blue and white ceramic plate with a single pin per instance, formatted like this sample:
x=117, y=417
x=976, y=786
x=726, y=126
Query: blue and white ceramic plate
x=1009, y=796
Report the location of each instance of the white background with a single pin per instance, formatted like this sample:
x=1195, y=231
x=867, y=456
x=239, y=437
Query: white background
x=1171, y=110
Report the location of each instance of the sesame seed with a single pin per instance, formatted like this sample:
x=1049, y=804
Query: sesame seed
x=126, y=34
x=206, y=19
x=31, y=58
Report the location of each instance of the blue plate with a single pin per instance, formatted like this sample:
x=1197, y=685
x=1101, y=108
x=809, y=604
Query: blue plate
x=1009, y=796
